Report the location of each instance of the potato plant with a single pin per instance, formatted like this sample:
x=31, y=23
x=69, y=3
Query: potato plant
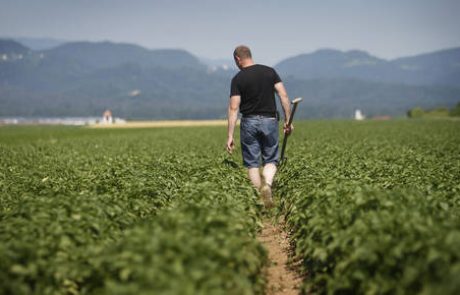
x=125, y=212
x=374, y=206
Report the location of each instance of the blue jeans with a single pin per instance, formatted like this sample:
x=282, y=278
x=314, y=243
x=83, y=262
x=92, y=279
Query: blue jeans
x=259, y=137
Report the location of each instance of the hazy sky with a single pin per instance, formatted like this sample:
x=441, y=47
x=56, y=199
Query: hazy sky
x=273, y=29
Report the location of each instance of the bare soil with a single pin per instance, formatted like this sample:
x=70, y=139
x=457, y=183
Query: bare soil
x=282, y=279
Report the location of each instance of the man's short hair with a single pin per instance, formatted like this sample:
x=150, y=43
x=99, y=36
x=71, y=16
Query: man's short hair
x=242, y=52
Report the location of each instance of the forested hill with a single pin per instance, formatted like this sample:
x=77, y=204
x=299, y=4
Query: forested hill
x=437, y=68
x=85, y=78
x=107, y=54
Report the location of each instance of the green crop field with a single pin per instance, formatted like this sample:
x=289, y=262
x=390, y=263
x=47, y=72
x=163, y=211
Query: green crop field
x=371, y=208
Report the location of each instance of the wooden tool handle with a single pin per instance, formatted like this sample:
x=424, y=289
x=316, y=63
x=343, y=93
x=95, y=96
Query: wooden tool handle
x=295, y=102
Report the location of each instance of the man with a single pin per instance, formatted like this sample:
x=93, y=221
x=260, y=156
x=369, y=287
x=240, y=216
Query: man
x=253, y=94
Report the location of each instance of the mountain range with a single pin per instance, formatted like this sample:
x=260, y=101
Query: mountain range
x=85, y=78
x=437, y=68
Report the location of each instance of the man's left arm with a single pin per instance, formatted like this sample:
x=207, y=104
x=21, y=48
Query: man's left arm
x=286, y=104
x=233, y=107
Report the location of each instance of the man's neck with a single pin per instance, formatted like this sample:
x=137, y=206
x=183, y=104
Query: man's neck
x=247, y=63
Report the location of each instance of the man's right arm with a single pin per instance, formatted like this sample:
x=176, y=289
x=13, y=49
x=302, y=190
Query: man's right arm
x=286, y=104
x=233, y=107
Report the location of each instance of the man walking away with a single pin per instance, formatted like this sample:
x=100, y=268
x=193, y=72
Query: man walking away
x=253, y=94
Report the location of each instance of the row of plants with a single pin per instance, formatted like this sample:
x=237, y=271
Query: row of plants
x=125, y=212
x=373, y=207
x=441, y=112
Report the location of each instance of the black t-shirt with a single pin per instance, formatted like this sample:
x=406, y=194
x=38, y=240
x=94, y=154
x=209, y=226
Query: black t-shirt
x=256, y=86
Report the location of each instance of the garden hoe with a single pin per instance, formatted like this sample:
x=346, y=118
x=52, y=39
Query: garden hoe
x=294, y=103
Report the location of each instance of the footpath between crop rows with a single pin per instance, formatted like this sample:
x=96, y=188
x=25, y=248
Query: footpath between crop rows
x=281, y=276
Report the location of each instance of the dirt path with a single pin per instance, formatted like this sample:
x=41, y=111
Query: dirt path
x=281, y=280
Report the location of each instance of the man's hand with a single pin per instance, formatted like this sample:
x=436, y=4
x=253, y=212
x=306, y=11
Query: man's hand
x=230, y=145
x=288, y=129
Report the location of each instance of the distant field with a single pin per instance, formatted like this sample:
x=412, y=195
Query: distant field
x=371, y=207
x=166, y=123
